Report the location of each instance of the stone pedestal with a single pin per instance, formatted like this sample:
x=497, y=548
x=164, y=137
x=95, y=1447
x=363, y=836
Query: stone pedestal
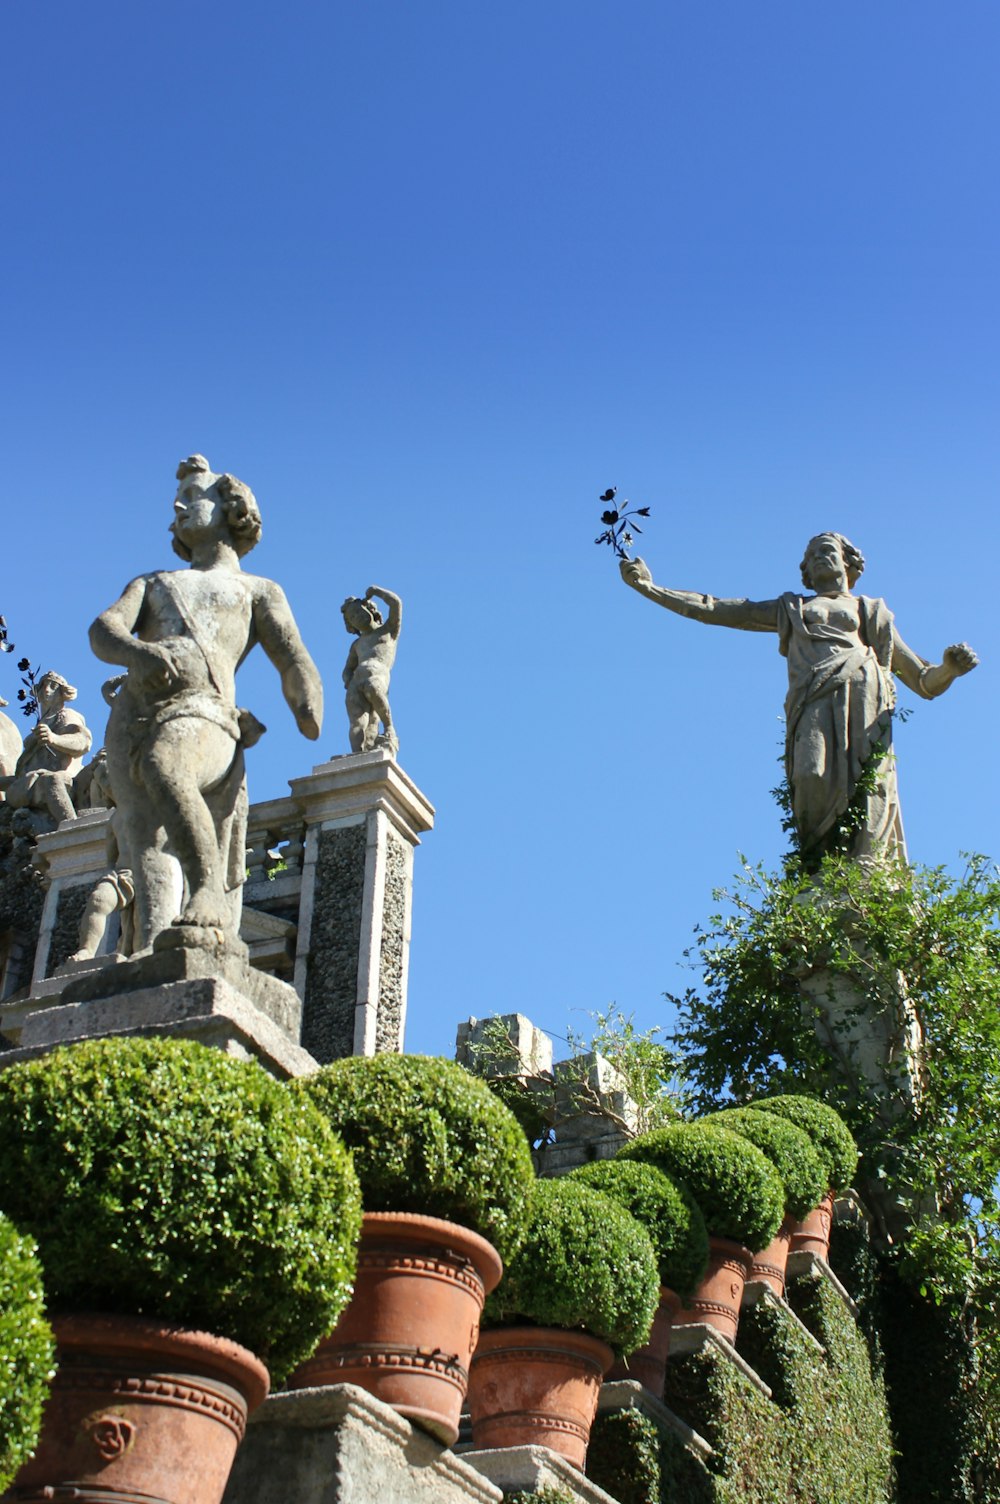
x=186, y=992
x=363, y=818
x=338, y=1445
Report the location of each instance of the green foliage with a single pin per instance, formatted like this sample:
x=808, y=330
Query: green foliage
x=165, y=1179
x=790, y=1150
x=737, y=1188
x=545, y=1495
x=752, y=1033
x=638, y=1462
x=26, y=1350
x=665, y=1208
x=428, y=1137
x=585, y=1262
x=830, y=1136
x=653, y=1072
x=822, y=1438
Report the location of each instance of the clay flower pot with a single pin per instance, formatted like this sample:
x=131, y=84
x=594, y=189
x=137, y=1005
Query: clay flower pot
x=812, y=1234
x=769, y=1265
x=138, y=1410
x=537, y=1386
x=410, y=1330
x=648, y=1364
x=718, y=1297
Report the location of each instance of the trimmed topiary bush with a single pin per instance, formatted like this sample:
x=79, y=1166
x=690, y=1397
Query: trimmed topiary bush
x=26, y=1350
x=428, y=1137
x=790, y=1150
x=667, y=1211
x=585, y=1262
x=830, y=1135
x=737, y=1188
x=161, y=1178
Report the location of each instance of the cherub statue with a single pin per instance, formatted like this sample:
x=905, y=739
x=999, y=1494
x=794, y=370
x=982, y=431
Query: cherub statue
x=842, y=652
x=175, y=738
x=369, y=664
x=53, y=753
x=10, y=745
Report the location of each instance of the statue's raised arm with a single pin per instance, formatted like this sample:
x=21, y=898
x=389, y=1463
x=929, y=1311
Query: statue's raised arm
x=842, y=651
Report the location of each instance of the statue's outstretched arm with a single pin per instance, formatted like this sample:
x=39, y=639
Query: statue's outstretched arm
x=279, y=637
x=748, y=616
x=928, y=680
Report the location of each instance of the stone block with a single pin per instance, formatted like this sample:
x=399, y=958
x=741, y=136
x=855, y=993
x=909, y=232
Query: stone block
x=535, y=1468
x=338, y=1445
x=208, y=1009
x=520, y=1050
x=695, y=1336
x=811, y=1266
x=590, y=1096
x=628, y=1394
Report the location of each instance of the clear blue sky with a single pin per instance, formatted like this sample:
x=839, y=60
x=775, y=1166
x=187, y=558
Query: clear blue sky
x=429, y=277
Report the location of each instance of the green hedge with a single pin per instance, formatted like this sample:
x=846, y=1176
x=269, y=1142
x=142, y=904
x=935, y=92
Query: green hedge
x=26, y=1350
x=803, y=1172
x=830, y=1135
x=737, y=1188
x=638, y=1462
x=665, y=1208
x=823, y=1437
x=162, y=1178
x=584, y=1263
x=428, y=1137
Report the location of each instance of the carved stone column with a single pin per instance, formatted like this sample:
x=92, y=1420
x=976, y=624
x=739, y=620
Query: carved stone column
x=363, y=819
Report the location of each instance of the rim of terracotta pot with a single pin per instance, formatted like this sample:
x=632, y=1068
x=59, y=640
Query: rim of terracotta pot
x=414, y=1227
x=581, y=1344
x=128, y=1337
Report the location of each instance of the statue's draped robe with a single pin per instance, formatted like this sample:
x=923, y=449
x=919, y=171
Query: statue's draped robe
x=838, y=714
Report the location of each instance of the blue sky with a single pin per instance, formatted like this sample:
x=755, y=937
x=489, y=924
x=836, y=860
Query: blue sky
x=429, y=277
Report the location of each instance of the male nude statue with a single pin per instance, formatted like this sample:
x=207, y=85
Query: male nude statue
x=175, y=738
x=369, y=664
x=843, y=651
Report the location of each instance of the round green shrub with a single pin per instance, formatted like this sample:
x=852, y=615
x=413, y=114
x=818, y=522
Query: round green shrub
x=428, y=1137
x=667, y=1211
x=585, y=1262
x=830, y=1135
x=738, y=1189
x=790, y=1150
x=26, y=1350
x=162, y=1178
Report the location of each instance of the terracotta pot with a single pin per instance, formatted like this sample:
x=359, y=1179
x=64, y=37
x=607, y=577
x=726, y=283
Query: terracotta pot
x=537, y=1386
x=769, y=1264
x=648, y=1364
x=140, y=1411
x=717, y=1299
x=812, y=1234
x=411, y=1327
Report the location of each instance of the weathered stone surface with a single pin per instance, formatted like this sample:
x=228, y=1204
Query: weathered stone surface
x=207, y=1009
x=65, y=933
x=332, y=985
x=842, y=653
x=52, y=753
x=175, y=738
x=369, y=664
x=338, y=1445
x=392, y=951
x=522, y=1050
x=535, y=1468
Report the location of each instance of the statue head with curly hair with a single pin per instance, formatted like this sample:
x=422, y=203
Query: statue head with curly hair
x=854, y=559
x=237, y=502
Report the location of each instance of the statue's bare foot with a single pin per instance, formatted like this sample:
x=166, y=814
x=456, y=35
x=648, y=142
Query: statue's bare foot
x=204, y=910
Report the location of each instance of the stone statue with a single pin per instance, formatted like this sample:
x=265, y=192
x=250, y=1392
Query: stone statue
x=842, y=652
x=175, y=738
x=52, y=755
x=369, y=664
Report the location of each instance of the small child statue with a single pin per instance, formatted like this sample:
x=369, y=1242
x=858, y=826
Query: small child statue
x=369, y=664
